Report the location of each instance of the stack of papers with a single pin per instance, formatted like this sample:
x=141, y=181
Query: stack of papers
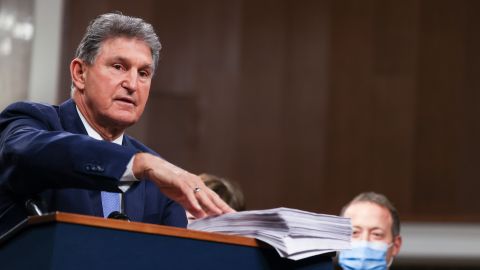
x=295, y=234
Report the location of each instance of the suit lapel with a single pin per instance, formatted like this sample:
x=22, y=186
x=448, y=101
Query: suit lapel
x=71, y=122
x=69, y=118
x=135, y=196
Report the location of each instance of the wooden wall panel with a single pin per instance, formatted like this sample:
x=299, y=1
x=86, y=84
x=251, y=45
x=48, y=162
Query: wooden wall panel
x=445, y=150
x=470, y=112
x=259, y=153
x=372, y=99
x=306, y=104
x=200, y=63
x=440, y=127
x=280, y=150
x=350, y=116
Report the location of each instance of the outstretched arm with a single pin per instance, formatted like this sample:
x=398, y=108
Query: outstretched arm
x=179, y=185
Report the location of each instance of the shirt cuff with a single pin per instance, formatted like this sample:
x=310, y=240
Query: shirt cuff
x=127, y=178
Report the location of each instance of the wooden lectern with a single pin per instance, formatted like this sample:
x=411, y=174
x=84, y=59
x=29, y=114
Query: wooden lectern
x=71, y=241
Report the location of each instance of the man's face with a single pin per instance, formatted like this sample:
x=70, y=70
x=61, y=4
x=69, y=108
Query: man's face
x=115, y=87
x=373, y=223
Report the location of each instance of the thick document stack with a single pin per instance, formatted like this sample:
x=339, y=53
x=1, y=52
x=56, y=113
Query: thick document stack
x=295, y=234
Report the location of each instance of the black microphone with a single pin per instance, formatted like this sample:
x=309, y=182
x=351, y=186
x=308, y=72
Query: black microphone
x=118, y=215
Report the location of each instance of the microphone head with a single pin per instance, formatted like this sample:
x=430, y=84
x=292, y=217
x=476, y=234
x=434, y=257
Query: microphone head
x=33, y=207
x=118, y=215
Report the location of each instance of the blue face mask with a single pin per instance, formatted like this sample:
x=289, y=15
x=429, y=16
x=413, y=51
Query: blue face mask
x=365, y=256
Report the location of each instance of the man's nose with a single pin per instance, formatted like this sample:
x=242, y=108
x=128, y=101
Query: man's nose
x=131, y=81
x=365, y=236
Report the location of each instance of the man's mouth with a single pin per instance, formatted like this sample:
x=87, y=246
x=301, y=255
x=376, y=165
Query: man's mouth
x=127, y=100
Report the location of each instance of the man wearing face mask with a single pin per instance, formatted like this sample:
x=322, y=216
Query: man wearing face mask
x=376, y=236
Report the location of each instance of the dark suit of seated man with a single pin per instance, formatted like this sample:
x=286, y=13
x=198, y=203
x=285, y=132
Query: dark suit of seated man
x=76, y=158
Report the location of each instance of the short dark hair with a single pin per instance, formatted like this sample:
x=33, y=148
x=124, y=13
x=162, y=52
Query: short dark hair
x=381, y=200
x=112, y=25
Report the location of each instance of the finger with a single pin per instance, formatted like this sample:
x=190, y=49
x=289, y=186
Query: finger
x=191, y=204
x=221, y=204
x=202, y=194
x=197, y=213
x=206, y=202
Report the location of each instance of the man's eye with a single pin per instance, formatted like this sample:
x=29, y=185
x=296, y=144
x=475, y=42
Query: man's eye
x=117, y=66
x=144, y=74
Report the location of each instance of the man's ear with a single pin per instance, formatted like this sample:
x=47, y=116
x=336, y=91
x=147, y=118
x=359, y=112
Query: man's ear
x=397, y=244
x=77, y=71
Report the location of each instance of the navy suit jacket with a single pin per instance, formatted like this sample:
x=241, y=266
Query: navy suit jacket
x=45, y=152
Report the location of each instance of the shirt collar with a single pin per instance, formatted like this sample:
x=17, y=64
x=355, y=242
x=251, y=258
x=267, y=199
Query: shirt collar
x=94, y=134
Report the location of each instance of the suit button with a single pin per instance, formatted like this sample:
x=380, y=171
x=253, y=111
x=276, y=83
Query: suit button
x=100, y=168
x=88, y=167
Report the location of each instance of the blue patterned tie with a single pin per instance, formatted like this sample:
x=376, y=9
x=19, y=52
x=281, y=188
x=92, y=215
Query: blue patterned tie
x=110, y=202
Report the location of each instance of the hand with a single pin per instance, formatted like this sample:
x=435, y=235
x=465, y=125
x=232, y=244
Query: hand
x=179, y=185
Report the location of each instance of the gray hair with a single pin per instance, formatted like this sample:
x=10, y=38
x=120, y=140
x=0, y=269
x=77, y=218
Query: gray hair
x=381, y=200
x=112, y=25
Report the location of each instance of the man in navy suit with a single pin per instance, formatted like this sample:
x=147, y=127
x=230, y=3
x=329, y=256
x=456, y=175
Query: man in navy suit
x=76, y=158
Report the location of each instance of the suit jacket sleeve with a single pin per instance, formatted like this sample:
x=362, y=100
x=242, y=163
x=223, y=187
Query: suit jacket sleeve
x=37, y=154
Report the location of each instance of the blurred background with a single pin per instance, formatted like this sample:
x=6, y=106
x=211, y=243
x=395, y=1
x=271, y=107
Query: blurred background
x=303, y=103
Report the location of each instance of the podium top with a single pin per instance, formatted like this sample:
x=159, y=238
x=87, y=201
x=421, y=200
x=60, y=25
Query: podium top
x=141, y=228
x=54, y=241
x=58, y=239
